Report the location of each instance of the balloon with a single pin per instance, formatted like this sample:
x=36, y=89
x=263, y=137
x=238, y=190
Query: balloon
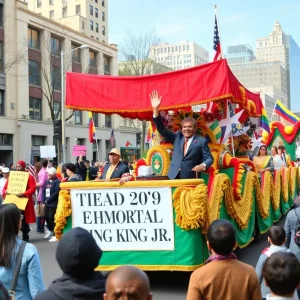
x=265, y=135
x=288, y=129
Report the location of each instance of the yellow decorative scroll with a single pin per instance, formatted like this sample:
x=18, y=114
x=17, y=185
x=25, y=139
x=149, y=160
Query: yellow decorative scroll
x=191, y=207
x=63, y=211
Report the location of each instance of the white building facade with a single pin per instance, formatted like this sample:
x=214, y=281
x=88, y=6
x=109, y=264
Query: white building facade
x=30, y=65
x=179, y=56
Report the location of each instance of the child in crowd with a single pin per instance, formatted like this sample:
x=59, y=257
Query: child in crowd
x=276, y=238
x=281, y=272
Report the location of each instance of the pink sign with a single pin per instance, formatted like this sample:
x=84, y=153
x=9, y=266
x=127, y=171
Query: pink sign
x=79, y=150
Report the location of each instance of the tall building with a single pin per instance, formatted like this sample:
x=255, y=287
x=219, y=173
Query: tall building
x=239, y=54
x=267, y=78
x=86, y=16
x=281, y=47
x=30, y=83
x=179, y=56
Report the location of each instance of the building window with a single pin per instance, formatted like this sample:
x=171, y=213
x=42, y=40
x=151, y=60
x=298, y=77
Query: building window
x=51, y=14
x=37, y=140
x=56, y=78
x=83, y=25
x=56, y=110
x=34, y=72
x=76, y=53
x=91, y=25
x=92, y=55
x=78, y=9
x=108, y=121
x=35, y=108
x=103, y=16
x=96, y=12
x=1, y=15
x=103, y=3
x=6, y=139
x=97, y=27
x=1, y=103
x=103, y=30
x=107, y=69
x=91, y=10
x=96, y=1
x=39, y=3
x=55, y=46
x=78, y=117
x=95, y=118
x=33, y=38
x=51, y=2
x=64, y=12
x=1, y=57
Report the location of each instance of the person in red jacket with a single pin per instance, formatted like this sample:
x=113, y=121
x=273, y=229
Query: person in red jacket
x=28, y=216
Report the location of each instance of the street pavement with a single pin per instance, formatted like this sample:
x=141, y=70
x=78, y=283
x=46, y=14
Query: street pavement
x=164, y=285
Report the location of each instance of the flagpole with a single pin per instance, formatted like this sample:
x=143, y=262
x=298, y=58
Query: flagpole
x=217, y=16
x=273, y=112
x=98, y=154
x=232, y=144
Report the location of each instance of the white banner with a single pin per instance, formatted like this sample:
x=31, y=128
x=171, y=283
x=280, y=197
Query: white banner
x=126, y=218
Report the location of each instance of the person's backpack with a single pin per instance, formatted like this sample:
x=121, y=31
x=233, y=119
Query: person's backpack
x=297, y=230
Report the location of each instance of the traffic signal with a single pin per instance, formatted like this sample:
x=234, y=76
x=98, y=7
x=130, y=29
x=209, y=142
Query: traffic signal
x=57, y=130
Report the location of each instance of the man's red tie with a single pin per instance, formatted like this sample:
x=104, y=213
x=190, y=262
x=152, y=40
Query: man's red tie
x=185, y=146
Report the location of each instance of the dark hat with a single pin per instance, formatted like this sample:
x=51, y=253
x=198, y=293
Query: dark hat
x=77, y=253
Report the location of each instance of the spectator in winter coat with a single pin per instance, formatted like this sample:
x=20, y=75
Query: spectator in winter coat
x=77, y=255
x=71, y=173
x=50, y=201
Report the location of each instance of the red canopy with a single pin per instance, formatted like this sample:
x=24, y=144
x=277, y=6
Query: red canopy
x=128, y=96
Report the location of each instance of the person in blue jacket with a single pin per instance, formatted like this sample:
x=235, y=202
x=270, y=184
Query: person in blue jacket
x=30, y=281
x=50, y=201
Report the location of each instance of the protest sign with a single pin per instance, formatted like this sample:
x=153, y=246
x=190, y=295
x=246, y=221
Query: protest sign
x=19, y=202
x=17, y=182
x=125, y=218
x=47, y=151
x=79, y=150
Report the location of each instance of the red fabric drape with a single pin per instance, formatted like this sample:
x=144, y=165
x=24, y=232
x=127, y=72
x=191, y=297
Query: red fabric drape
x=128, y=96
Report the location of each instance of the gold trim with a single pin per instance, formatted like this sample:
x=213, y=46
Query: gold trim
x=130, y=184
x=165, y=157
x=245, y=245
x=152, y=267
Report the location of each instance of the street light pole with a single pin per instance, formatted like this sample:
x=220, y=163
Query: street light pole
x=63, y=128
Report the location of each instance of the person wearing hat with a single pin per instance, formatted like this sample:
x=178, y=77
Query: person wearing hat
x=115, y=168
x=28, y=214
x=77, y=255
x=5, y=172
x=50, y=201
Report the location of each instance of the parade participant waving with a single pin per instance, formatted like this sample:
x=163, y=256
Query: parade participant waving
x=191, y=153
x=28, y=214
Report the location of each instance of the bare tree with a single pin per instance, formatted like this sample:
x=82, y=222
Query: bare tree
x=136, y=58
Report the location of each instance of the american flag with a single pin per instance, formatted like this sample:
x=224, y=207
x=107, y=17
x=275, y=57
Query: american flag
x=31, y=165
x=217, y=44
x=112, y=138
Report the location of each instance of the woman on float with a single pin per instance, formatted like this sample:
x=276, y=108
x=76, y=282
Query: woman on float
x=277, y=161
x=263, y=161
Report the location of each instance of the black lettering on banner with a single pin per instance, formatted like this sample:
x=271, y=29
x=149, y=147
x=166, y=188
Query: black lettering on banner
x=160, y=235
x=81, y=198
x=155, y=217
x=156, y=198
x=130, y=214
x=98, y=215
x=97, y=199
x=107, y=200
x=120, y=198
x=143, y=198
x=103, y=235
x=131, y=235
x=86, y=216
x=148, y=217
x=133, y=194
x=120, y=217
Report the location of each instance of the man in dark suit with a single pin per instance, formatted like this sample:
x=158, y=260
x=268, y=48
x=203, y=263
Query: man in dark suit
x=91, y=172
x=115, y=168
x=191, y=153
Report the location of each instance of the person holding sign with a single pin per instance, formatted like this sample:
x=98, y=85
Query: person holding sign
x=28, y=213
x=191, y=153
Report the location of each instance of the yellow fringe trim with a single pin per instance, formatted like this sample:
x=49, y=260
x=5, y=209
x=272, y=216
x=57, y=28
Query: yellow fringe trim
x=245, y=245
x=285, y=184
x=63, y=211
x=152, y=267
x=191, y=207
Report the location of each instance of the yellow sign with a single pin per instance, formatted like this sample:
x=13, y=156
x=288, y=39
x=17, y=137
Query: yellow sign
x=19, y=202
x=17, y=182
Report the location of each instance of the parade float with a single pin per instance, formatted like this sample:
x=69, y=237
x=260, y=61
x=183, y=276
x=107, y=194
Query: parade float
x=160, y=224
